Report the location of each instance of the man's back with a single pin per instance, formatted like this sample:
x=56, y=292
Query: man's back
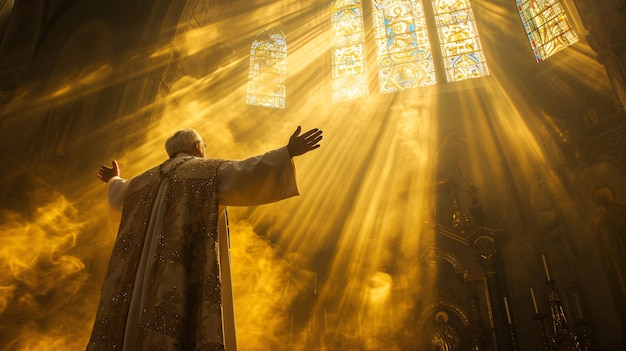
x=168, y=238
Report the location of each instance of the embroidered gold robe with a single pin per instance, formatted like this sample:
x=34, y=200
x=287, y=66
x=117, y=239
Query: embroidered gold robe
x=168, y=283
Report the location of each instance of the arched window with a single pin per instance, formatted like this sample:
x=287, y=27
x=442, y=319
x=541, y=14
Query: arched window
x=268, y=70
x=547, y=27
x=349, y=68
x=402, y=48
x=405, y=58
x=462, y=52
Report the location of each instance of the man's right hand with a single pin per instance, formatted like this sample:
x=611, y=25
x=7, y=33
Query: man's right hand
x=106, y=173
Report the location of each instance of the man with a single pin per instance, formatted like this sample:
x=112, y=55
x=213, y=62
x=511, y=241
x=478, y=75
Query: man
x=168, y=283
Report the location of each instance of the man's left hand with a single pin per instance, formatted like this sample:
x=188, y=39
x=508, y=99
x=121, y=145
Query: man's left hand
x=301, y=144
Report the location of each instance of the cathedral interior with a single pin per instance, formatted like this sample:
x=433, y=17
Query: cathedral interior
x=451, y=206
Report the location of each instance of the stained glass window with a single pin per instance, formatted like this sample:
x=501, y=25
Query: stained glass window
x=547, y=27
x=403, y=51
x=268, y=70
x=462, y=52
x=349, y=67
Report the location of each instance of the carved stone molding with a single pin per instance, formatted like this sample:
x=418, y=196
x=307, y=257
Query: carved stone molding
x=609, y=145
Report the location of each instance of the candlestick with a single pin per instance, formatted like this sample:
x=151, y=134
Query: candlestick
x=506, y=307
x=542, y=330
x=545, y=266
x=578, y=307
x=513, y=337
x=532, y=294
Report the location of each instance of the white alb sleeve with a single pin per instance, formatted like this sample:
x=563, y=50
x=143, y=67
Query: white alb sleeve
x=258, y=180
x=117, y=190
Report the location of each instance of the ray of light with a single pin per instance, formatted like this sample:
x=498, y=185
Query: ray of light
x=345, y=255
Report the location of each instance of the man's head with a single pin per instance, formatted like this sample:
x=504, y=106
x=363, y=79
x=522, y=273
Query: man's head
x=185, y=140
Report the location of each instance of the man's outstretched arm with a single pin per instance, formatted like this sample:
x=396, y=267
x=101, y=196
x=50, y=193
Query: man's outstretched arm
x=118, y=188
x=265, y=178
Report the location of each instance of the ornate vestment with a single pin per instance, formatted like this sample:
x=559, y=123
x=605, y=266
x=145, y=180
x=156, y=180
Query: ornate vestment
x=163, y=288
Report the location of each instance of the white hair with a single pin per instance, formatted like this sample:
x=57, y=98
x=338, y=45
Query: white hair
x=182, y=140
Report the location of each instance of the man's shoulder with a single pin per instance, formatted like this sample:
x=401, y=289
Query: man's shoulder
x=154, y=171
x=203, y=166
x=145, y=178
x=207, y=162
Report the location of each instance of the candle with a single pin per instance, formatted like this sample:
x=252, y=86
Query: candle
x=508, y=313
x=578, y=307
x=391, y=312
x=325, y=320
x=545, y=266
x=290, y=326
x=532, y=294
x=315, y=284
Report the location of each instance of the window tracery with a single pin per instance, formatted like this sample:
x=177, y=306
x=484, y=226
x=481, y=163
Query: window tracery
x=403, y=50
x=461, y=49
x=348, y=64
x=268, y=70
x=547, y=27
